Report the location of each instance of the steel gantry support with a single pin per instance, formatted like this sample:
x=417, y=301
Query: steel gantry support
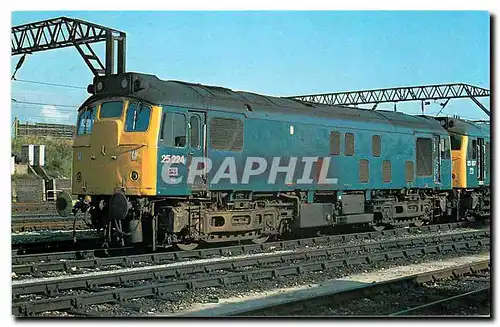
x=399, y=94
x=66, y=32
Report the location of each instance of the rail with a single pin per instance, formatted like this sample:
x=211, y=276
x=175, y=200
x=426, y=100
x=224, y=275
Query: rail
x=364, y=290
x=61, y=293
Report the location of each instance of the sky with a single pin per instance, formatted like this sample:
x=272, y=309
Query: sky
x=277, y=53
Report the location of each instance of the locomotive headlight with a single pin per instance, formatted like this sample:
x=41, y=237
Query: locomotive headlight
x=133, y=155
x=134, y=175
x=100, y=86
x=78, y=176
x=124, y=83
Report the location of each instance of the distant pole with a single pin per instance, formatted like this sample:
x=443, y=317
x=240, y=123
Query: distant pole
x=422, y=106
x=16, y=127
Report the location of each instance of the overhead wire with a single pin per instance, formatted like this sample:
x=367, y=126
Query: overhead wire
x=50, y=84
x=45, y=104
x=37, y=108
x=63, y=108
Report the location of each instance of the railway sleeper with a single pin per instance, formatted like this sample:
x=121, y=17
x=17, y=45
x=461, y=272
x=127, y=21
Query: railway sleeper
x=151, y=290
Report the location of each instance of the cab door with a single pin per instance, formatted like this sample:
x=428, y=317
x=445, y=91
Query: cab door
x=197, y=148
x=480, y=165
x=173, y=151
x=437, y=147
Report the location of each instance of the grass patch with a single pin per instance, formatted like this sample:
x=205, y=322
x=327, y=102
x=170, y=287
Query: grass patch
x=58, y=153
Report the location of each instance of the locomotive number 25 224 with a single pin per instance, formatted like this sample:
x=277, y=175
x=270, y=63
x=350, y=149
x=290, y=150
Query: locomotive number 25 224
x=173, y=159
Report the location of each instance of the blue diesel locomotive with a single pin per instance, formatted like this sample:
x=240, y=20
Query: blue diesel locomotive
x=167, y=162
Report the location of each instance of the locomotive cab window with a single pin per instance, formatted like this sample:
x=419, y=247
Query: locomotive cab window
x=194, y=131
x=86, y=120
x=112, y=109
x=138, y=116
x=444, y=147
x=474, y=149
x=424, y=157
x=456, y=141
x=173, y=129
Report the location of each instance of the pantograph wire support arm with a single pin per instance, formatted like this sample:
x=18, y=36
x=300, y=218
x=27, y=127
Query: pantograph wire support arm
x=399, y=94
x=65, y=32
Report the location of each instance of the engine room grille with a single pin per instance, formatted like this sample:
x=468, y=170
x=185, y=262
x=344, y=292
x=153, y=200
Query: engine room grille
x=364, y=171
x=226, y=134
x=424, y=157
x=349, y=144
x=335, y=143
x=409, y=171
x=376, y=146
x=386, y=171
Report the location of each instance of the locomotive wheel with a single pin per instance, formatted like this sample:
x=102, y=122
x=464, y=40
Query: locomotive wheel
x=187, y=246
x=261, y=239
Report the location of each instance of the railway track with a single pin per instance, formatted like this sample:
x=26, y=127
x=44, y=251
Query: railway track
x=483, y=294
x=309, y=302
x=34, y=207
x=31, y=297
x=45, y=221
x=67, y=261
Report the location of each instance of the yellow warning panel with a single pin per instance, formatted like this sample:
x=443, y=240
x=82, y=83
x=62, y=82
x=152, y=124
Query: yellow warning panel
x=459, y=165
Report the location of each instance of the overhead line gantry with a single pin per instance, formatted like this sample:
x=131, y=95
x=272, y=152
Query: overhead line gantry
x=400, y=94
x=64, y=32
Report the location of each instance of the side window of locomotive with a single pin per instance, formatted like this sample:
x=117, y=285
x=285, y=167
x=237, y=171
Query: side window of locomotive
x=194, y=131
x=456, y=142
x=376, y=145
x=474, y=149
x=424, y=157
x=179, y=129
x=138, y=116
x=173, y=129
x=86, y=121
x=349, y=144
x=445, y=148
x=226, y=134
x=166, y=128
x=112, y=109
x=335, y=143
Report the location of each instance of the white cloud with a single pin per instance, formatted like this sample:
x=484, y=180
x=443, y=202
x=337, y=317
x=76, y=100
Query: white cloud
x=52, y=113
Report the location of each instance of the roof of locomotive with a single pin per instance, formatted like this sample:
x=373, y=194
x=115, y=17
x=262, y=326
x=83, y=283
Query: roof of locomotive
x=467, y=127
x=182, y=94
